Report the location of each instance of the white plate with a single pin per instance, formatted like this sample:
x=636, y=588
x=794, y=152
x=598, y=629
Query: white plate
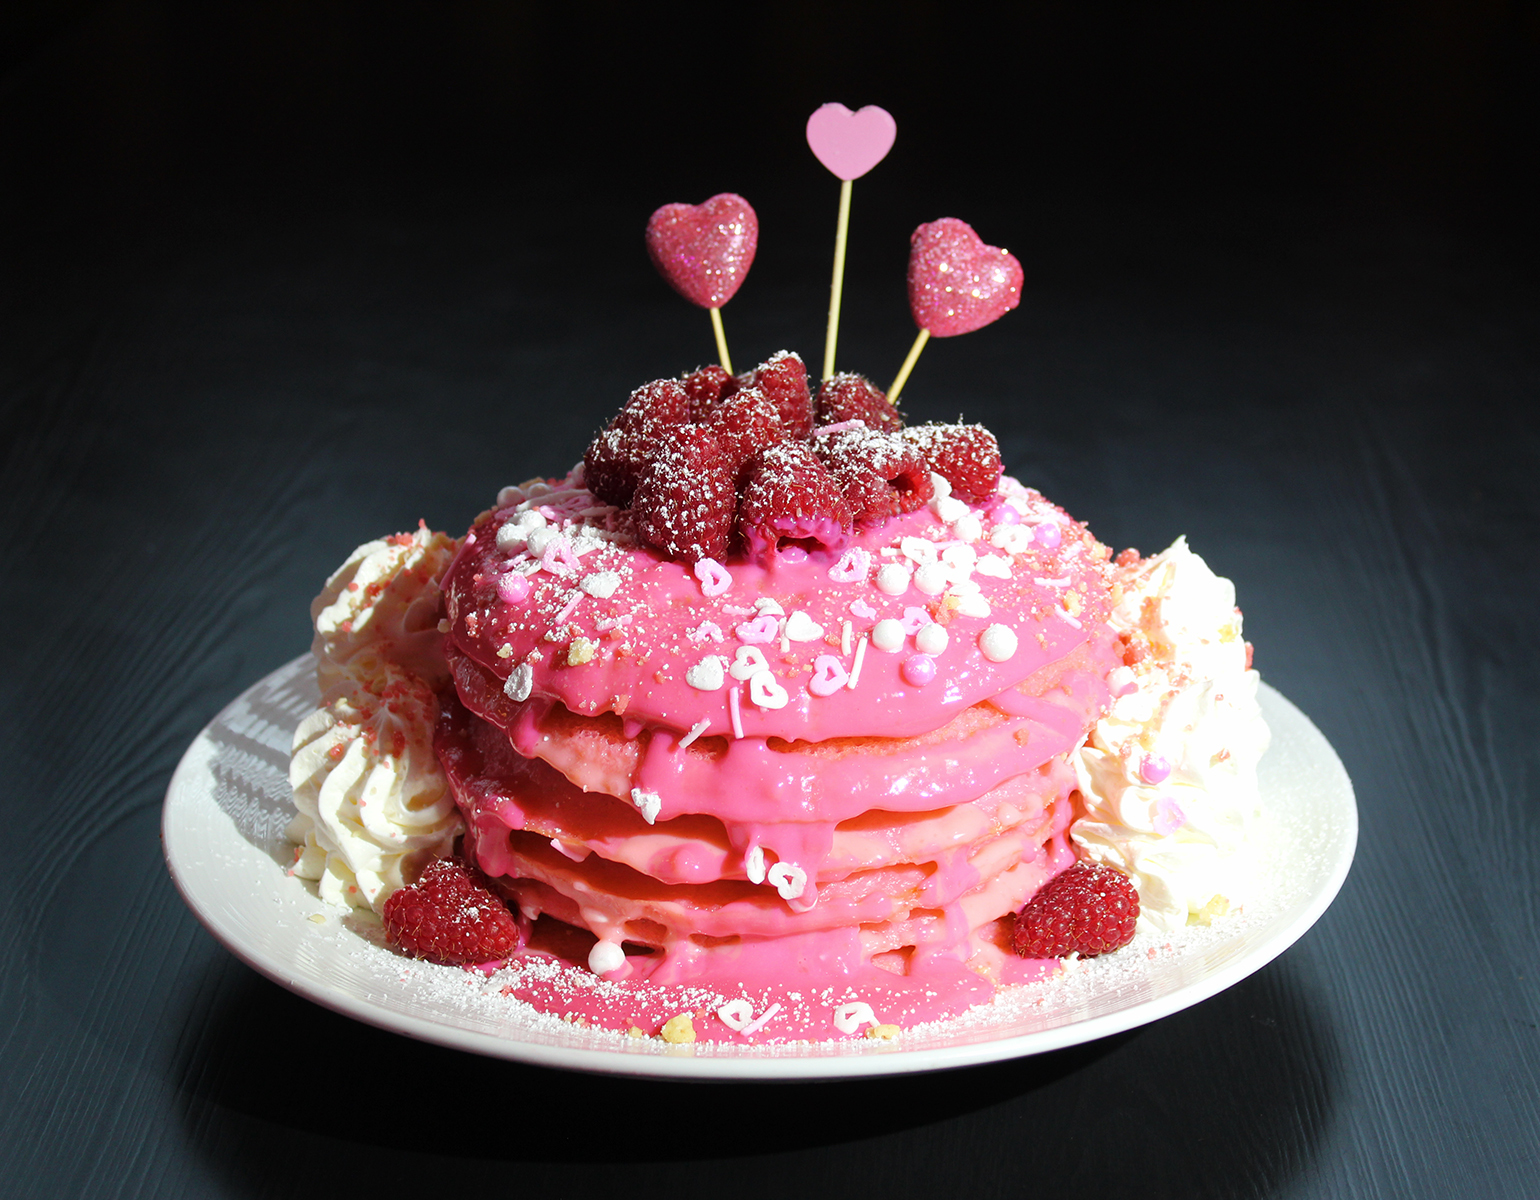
x=223, y=829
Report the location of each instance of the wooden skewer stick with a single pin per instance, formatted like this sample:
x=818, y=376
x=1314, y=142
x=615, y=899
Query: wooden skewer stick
x=716, y=327
x=903, y=371
x=837, y=288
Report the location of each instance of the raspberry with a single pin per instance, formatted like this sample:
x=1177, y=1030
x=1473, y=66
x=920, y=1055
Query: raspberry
x=855, y=398
x=745, y=425
x=879, y=474
x=1087, y=910
x=784, y=380
x=614, y=460
x=685, y=498
x=705, y=386
x=450, y=916
x=791, y=497
x=966, y=456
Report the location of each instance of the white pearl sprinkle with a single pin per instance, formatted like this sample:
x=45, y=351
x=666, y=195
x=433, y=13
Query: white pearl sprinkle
x=606, y=957
x=892, y=580
x=998, y=643
x=888, y=635
x=931, y=579
x=968, y=527
x=931, y=639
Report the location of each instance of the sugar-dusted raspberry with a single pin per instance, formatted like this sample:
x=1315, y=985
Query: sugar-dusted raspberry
x=745, y=425
x=784, y=379
x=879, y=474
x=855, y=398
x=685, y=501
x=450, y=916
x=790, y=497
x=614, y=461
x=1127, y=558
x=705, y=387
x=966, y=456
x=1087, y=910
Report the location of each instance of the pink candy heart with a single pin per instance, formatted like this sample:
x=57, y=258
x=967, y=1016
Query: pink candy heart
x=850, y=143
x=704, y=250
x=956, y=283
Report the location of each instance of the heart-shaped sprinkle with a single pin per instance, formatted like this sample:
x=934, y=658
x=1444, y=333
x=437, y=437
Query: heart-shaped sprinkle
x=1169, y=816
x=956, y=283
x=765, y=692
x=788, y=879
x=714, y=577
x=850, y=1017
x=704, y=250
x=735, y=1014
x=708, y=675
x=758, y=631
x=802, y=628
x=748, y=662
x=849, y=143
x=829, y=675
x=914, y=620
x=852, y=566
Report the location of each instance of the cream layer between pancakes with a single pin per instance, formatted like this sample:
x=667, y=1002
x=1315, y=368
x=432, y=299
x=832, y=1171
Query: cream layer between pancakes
x=837, y=818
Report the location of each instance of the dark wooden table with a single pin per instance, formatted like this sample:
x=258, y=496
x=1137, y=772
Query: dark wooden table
x=285, y=280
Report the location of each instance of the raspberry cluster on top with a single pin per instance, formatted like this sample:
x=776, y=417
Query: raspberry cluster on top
x=713, y=465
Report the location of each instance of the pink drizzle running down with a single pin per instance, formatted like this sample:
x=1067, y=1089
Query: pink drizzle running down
x=919, y=813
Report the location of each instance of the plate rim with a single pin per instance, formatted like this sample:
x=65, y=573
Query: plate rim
x=747, y=1068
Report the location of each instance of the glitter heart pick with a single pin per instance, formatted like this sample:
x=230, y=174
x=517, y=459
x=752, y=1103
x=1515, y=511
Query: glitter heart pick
x=704, y=251
x=957, y=284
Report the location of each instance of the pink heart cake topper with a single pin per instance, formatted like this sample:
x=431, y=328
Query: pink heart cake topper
x=851, y=143
x=704, y=250
x=956, y=283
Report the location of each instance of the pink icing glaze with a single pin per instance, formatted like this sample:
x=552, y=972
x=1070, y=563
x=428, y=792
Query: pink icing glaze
x=642, y=672
x=918, y=815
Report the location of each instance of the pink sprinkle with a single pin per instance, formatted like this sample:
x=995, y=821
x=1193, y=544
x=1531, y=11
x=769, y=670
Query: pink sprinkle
x=713, y=576
x=1169, y=816
x=824, y=430
x=915, y=619
x=559, y=559
x=1047, y=535
x=1155, y=769
x=735, y=711
x=918, y=669
x=851, y=567
x=860, y=608
x=829, y=675
x=759, y=631
x=1004, y=514
x=512, y=588
x=705, y=631
x=561, y=617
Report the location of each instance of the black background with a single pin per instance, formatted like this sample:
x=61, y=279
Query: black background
x=280, y=278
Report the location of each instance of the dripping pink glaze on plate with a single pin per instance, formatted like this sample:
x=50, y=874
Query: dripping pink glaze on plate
x=919, y=814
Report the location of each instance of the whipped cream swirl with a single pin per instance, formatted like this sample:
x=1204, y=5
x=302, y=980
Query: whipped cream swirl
x=373, y=802
x=1168, y=777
